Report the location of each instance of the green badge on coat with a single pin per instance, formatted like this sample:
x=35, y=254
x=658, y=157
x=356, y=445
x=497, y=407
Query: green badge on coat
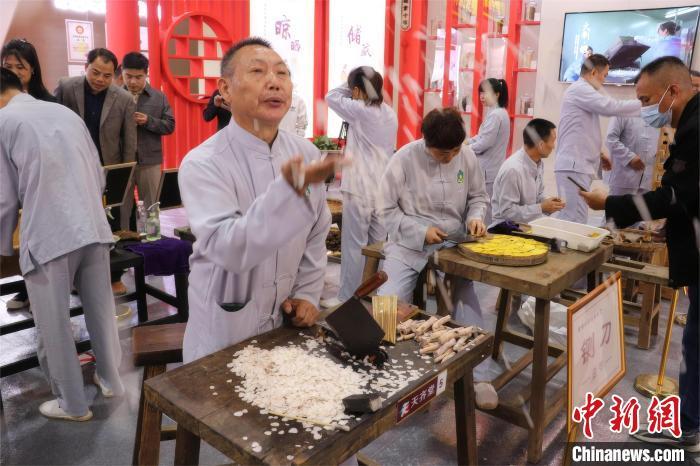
x=460, y=176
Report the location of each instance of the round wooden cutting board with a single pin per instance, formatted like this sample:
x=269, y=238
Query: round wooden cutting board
x=505, y=250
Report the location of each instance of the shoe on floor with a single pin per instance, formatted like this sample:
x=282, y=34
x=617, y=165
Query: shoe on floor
x=681, y=319
x=689, y=442
x=106, y=391
x=486, y=396
x=51, y=410
x=330, y=302
x=19, y=301
x=119, y=288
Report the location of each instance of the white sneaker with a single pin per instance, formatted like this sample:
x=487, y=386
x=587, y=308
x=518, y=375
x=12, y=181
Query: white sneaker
x=19, y=301
x=106, y=392
x=486, y=396
x=51, y=410
x=330, y=302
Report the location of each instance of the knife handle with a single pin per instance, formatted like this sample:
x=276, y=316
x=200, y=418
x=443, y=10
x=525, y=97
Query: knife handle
x=371, y=284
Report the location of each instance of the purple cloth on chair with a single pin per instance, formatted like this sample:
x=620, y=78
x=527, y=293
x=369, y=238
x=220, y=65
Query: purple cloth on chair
x=167, y=256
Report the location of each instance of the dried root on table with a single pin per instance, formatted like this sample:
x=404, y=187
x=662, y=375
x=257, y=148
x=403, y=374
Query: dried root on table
x=435, y=338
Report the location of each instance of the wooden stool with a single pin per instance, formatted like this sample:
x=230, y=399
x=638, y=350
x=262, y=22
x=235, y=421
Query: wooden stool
x=650, y=278
x=153, y=347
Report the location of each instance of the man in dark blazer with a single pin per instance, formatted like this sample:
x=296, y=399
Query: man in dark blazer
x=668, y=98
x=154, y=119
x=107, y=110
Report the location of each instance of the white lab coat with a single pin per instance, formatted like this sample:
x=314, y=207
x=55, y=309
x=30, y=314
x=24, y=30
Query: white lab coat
x=295, y=120
x=579, y=140
x=258, y=242
x=419, y=192
x=371, y=140
x=628, y=137
x=491, y=142
x=518, y=190
x=59, y=188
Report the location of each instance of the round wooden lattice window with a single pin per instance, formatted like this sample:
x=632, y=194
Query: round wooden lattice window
x=192, y=48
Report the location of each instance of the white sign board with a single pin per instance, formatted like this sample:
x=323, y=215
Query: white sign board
x=405, y=15
x=595, y=343
x=289, y=26
x=355, y=38
x=79, y=39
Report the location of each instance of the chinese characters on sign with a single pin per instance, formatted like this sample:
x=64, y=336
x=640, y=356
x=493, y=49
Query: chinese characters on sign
x=79, y=39
x=282, y=27
x=661, y=414
x=405, y=15
x=420, y=396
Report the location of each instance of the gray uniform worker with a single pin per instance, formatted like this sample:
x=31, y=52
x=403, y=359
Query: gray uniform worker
x=518, y=192
x=260, y=242
x=491, y=142
x=429, y=193
x=371, y=141
x=50, y=168
x=632, y=145
x=580, y=140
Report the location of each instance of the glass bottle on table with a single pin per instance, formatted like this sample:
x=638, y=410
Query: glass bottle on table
x=153, y=223
x=141, y=217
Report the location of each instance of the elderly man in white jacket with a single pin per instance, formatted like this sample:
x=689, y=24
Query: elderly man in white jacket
x=434, y=188
x=579, y=153
x=49, y=167
x=253, y=201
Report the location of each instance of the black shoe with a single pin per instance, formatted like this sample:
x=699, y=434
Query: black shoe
x=689, y=442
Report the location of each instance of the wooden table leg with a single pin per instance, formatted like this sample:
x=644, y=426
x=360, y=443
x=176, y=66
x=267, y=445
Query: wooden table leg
x=147, y=441
x=181, y=284
x=645, y=314
x=371, y=267
x=465, y=415
x=591, y=281
x=140, y=282
x=539, y=381
x=503, y=308
x=186, y=447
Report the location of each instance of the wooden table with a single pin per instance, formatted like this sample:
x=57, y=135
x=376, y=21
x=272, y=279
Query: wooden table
x=544, y=282
x=184, y=395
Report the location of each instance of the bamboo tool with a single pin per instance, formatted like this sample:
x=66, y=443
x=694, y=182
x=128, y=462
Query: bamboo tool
x=312, y=421
x=660, y=385
x=384, y=310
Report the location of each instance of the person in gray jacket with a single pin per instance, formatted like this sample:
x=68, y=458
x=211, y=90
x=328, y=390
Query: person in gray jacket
x=154, y=119
x=49, y=167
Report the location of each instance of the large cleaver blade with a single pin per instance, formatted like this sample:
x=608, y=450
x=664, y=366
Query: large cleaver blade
x=354, y=325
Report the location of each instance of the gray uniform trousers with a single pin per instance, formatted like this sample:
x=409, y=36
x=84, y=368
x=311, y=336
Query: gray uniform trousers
x=49, y=286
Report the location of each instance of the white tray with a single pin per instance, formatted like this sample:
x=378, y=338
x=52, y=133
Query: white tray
x=577, y=235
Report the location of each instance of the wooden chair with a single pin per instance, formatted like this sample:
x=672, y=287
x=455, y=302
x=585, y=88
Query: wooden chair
x=153, y=346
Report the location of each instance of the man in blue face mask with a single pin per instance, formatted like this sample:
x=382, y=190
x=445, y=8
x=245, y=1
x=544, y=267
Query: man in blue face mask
x=665, y=90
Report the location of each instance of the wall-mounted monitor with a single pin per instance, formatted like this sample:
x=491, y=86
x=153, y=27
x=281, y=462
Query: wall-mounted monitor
x=629, y=38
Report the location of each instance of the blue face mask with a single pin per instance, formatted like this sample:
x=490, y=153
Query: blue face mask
x=653, y=117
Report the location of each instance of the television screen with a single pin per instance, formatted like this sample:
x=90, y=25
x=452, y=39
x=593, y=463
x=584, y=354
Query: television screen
x=630, y=39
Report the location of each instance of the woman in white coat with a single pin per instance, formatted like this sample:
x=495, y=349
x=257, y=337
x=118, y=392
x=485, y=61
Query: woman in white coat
x=432, y=188
x=491, y=142
x=371, y=140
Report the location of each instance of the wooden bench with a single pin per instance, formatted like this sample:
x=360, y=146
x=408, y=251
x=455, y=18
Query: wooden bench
x=650, y=278
x=153, y=347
